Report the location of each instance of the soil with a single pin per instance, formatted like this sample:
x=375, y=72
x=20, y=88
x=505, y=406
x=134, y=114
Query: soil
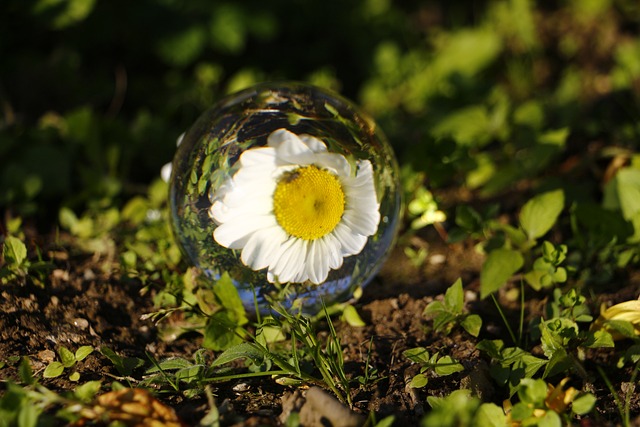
x=80, y=304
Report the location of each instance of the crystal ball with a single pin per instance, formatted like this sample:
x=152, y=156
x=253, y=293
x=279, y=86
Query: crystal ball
x=289, y=190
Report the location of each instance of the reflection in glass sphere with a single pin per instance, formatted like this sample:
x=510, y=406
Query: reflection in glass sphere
x=288, y=189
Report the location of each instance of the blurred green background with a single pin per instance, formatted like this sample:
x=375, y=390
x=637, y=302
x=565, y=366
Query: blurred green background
x=479, y=95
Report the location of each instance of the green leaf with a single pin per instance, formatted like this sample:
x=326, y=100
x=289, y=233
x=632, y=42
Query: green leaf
x=28, y=416
x=623, y=327
x=532, y=364
x=468, y=125
x=550, y=419
x=269, y=335
x=472, y=324
x=558, y=363
x=532, y=391
x=419, y=381
x=67, y=218
x=499, y=266
x=53, y=370
x=623, y=192
x=183, y=47
x=492, y=347
x=351, y=316
x=227, y=295
x=454, y=297
x=75, y=376
x=447, y=366
x=124, y=365
x=433, y=309
x=65, y=13
x=228, y=30
x=556, y=334
x=521, y=411
x=386, y=422
x=15, y=251
x=418, y=355
x=87, y=391
x=67, y=358
x=221, y=332
x=240, y=351
x=135, y=211
x=534, y=279
x=489, y=415
x=82, y=352
x=583, y=404
x=599, y=339
x=25, y=372
x=170, y=364
x=539, y=214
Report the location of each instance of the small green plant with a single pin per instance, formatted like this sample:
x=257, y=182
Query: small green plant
x=301, y=361
x=371, y=374
x=510, y=365
x=547, y=270
x=541, y=404
x=460, y=408
x=570, y=305
x=15, y=259
x=17, y=266
x=450, y=312
x=439, y=365
x=562, y=340
x=30, y=403
x=514, y=246
x=68, y=360
x=424, y=209
x=224, y=326
x=124, y=365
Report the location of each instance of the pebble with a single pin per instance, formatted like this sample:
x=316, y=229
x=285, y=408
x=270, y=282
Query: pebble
x=436, y=259
x=81, y=323
x=241, y=387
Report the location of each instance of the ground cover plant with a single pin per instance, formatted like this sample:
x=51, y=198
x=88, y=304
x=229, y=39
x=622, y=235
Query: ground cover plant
x=512, y=297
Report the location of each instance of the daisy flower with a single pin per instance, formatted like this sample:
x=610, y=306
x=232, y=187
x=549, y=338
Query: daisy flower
x=296, y=209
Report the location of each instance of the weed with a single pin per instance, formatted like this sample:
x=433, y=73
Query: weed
x=450, y=312
x=68, y=360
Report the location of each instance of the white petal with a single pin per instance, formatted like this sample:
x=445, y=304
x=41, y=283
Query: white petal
x=332, y=250
x=165, y=172
x=362, y=213
x=361, y=221
x=295, y=268
x=290, y=149
x=261, y=247
x=289, y=260
x=337, y=163
x=313, y=143
x=317, y=262
x=258, y=156
x=218, y=212
x=257, y=195
x=351, y=242
x=250, y=206
x=235, y=233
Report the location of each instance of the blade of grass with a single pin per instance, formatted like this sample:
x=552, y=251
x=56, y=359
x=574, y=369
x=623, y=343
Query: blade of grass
x=616, y=397
x=504, y=319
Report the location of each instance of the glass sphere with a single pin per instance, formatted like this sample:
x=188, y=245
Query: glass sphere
x=291, y=191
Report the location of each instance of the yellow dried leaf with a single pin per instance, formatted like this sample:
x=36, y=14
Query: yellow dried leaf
x=628, y=311
x=133, y=407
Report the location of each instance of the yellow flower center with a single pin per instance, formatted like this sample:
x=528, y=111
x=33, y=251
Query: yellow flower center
x=308, y=202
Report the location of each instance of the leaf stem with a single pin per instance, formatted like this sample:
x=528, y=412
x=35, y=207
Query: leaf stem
x=615, y=395
x=504, y=319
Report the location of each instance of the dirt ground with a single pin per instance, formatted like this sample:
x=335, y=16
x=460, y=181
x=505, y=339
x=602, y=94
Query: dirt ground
x=83, y=305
